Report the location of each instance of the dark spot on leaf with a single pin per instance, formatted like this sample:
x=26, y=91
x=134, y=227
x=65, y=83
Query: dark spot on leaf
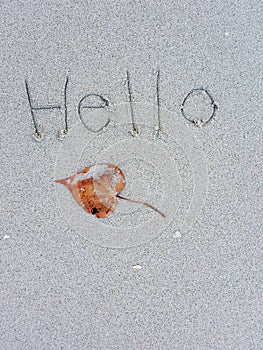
x=94, y=211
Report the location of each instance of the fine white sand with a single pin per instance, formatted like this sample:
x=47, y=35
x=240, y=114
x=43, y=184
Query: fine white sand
x=134, y=280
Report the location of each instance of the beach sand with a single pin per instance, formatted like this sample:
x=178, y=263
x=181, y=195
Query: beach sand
x=135, y=280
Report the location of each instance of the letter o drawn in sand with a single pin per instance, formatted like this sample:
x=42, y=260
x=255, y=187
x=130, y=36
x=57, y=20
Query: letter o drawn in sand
x=197, y=104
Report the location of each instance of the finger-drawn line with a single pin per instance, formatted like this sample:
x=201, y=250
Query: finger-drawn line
x=158, y=127
x=31, y=110
x=46, y=107
x=38, y=135
x=198, y=122
x=65, y=105
x=135, y=129
x=105, y=103
x=103, y=99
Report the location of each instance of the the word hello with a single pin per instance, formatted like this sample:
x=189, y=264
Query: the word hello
x=94, y=101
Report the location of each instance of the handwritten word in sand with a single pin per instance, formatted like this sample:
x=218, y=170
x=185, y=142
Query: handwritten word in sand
x=92, y=101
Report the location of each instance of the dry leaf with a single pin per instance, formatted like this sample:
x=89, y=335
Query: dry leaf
x=96, y=189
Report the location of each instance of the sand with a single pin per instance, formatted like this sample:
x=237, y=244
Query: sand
x=134, y=280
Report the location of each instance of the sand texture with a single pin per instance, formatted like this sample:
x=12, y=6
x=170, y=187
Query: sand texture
x=186, y=131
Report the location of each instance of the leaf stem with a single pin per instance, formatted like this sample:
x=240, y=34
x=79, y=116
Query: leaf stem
x=143, y=203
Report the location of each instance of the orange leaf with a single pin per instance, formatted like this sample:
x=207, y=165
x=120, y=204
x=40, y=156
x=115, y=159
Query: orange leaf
x=97, y=187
